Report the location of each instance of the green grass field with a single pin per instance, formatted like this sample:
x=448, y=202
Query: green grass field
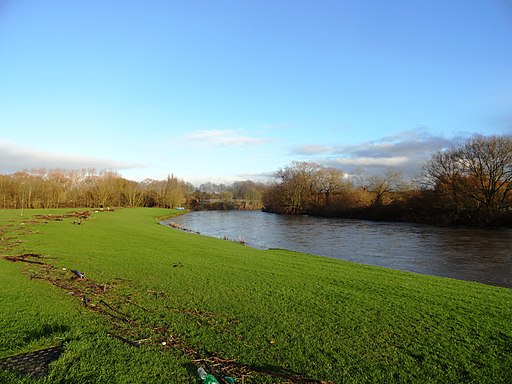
x=159, y=303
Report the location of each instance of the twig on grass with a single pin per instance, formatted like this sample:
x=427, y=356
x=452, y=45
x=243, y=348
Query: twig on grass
x=24, y=258
x=124, y=317
x=125, y=340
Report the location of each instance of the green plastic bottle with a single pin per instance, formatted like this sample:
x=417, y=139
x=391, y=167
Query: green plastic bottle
x=207, y=378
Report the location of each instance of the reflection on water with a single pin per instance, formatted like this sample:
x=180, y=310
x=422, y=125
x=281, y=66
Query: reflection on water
x=463, y=253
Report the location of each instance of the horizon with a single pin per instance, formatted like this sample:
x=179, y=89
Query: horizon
x=230, y=91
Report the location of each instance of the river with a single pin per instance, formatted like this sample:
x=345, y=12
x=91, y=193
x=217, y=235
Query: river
x=483, y=255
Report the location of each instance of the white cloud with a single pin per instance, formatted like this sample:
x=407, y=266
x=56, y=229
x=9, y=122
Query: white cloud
x=219, y=137
x=312, y=149
x=15, y=158
x=407, y=151
x=371, y=161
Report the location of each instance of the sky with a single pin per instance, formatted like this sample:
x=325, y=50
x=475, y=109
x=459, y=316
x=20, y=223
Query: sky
x=220, y=91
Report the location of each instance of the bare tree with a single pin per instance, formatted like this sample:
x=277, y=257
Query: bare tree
x=488, y=161
x=134, y=193
x=383, y=185
x=297, y=186
x=329, y=181
x=445, y=173
x=104, y=188
x=174, y=192
x=475, y=176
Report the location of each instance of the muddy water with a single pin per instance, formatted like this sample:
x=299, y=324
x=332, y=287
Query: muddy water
x=463, y=253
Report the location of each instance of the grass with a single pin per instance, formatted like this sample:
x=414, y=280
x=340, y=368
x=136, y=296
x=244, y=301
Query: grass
x=274, y=316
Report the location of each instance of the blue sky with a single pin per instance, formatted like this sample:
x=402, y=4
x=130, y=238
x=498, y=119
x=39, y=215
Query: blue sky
x=233, y=90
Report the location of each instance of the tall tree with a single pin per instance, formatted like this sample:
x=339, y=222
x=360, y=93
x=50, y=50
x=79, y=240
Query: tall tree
x=475, y=177
x=382, y=186
x=173, y=192
x=446, y=175
x=104, y=188
x=329, y=181
x=488, y=161
x=298, y=185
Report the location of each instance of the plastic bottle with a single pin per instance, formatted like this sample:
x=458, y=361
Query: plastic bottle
x=207, y=378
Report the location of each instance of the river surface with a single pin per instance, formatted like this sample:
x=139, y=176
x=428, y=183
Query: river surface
x=483, y=255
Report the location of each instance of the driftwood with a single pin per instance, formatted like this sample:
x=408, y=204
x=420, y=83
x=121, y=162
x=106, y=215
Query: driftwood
x=124, y=340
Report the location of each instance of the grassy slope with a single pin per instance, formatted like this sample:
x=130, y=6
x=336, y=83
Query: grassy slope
x=314, y=316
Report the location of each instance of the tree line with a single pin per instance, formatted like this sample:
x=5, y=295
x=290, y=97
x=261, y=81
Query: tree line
x=467, y=184
x=89, y=188
x=61, y=188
